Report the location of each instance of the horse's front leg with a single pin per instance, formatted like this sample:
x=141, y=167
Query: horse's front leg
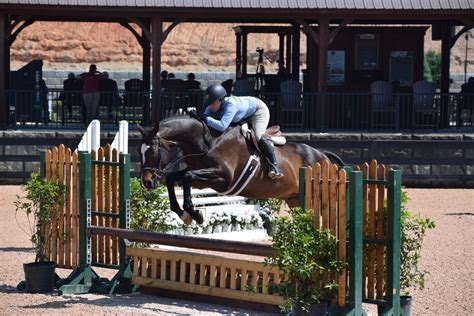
x=174, y=205
x=211, y=176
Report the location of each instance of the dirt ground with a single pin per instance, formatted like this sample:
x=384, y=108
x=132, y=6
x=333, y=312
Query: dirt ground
x=447, y=254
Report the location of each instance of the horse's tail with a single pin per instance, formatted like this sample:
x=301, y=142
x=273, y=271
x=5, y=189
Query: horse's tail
x=334, y=158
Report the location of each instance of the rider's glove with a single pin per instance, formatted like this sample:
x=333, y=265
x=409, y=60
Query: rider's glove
x=196, y=115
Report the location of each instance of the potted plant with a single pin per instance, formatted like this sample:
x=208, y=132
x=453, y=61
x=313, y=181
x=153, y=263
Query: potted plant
x=42, y=204
x=413, y=229
x=304, y=254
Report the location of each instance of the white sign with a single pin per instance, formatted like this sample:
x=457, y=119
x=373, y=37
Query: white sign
x=336, y=67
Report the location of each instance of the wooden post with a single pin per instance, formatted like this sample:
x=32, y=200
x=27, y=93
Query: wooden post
x=394, y=193
x=281, y=50
x=124, y=200
x=238, y=50
x=355, y=240
x=244, y=55
x=146, y=74
x=157, y=32
x=445, y=60
x=323, y=30
x=4, y=47
x=288, y=53
x=303, y=175
x=295, y=56
x=85, y=185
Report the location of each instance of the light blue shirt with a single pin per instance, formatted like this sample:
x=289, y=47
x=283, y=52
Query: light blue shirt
x=233, y=110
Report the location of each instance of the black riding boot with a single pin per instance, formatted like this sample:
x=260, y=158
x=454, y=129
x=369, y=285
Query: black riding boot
x=267, y=148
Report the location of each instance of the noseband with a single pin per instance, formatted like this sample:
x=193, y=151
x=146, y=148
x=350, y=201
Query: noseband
x=158, y=172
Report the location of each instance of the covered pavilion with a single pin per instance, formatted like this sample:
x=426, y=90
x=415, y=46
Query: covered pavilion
x=322, y=21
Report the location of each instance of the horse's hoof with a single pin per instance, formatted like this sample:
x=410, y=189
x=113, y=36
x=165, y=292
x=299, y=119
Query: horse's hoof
x=197, y=216
x=186, y=218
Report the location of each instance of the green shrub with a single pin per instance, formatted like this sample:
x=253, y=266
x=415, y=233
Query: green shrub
x=413, y=231
x=149, y=211
x=304, y=253
x=42, y=204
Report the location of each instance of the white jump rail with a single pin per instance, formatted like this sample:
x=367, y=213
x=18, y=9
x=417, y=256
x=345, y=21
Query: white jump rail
x=210, y=202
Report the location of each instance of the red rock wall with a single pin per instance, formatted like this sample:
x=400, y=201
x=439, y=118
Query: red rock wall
x=189, y=47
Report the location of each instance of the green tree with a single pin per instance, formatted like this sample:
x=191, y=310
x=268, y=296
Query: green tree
x=432, y=67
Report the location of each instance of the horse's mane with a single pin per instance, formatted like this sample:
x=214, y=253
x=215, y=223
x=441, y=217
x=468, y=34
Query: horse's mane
x=175, y=117
x=209, y=132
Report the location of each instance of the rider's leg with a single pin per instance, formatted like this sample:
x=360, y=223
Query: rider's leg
x=267, y=148
x=260, y=123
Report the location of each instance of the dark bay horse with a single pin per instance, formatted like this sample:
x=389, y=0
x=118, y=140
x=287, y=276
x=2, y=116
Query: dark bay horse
x=216, y=162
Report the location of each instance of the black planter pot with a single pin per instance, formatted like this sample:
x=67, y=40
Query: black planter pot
x=318, y=309
x=39, y=276
x=405, y=305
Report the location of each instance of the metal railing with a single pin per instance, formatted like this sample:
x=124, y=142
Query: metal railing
x=341, y=111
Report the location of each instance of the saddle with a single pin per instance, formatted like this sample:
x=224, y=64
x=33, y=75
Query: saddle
x=273, y=133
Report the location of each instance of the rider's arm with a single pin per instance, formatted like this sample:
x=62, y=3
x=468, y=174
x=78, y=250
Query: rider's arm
x=227, y=117
x=207, y=112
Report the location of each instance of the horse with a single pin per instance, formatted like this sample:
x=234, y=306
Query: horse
x=215, y=160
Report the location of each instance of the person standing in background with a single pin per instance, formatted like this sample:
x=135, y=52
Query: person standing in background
x=91, y=92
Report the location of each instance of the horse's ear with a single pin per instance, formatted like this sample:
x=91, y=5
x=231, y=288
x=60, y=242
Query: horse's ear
x=167, y=143
x=155, y=130
x=140, y=129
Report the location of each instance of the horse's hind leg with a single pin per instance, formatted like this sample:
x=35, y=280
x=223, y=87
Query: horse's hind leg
x=174, y=205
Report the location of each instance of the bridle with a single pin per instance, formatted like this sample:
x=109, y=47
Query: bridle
x=158, y=172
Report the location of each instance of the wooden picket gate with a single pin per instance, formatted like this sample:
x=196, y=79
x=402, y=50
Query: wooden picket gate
x=375, y=227
x=323, y=190
x=60, y=165
x=366, y=204
x=101, y=168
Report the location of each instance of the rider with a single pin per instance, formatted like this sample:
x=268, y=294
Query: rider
x=221, y=111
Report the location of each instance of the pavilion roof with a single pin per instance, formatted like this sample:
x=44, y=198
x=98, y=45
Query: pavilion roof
x=261, y=4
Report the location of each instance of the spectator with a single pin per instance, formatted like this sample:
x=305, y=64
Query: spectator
x=71, y=95
x=171, y=76
x=191, y=83
x=91, y=92
x=466, y=108
x=164, y=79
x=44, y=101
x=109, y=96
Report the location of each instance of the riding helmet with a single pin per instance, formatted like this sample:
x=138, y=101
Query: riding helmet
x=214, y=92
